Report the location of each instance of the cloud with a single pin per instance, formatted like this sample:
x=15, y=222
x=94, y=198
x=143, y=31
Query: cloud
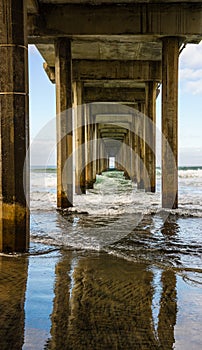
x=191, y=74
x=191, y=69
x=191, y=56
x=194, y=86
x=33, y=50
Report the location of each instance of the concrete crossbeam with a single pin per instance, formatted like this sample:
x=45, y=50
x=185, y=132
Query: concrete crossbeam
x=140, y=71
x=159, y=19
x=113, y=94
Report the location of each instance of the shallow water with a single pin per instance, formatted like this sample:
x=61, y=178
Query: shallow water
x=91, y=300
x=116, y=272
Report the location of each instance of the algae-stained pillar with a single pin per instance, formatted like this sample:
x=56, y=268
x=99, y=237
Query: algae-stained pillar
x=134, y=151
x=89, y=149
x=141, y=147
x=63, y=79
x=79, y=127
x=95, y=147
x=170, y=52
x=150, y=136
x=14, y=128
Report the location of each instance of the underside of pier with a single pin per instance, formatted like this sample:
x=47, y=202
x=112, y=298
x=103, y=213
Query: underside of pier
x=107, y=59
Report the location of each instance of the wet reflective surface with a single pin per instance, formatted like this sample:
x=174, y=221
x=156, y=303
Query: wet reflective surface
x=125, y=275
x=79, y=300
x=13, y=279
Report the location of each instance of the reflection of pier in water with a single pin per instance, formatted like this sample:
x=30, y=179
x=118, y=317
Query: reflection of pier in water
x=101, y=303
x=13, y=280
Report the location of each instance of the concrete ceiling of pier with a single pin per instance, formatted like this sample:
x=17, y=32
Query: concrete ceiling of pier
x=112, y=31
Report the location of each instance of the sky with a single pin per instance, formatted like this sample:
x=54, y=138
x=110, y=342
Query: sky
x=42, y=106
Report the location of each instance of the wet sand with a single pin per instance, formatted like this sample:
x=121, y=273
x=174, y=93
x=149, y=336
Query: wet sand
x=87, y=300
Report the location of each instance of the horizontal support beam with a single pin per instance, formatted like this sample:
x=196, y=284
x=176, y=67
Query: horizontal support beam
x=140, y=71
x=121, y=126
x=113, y=130
x=110, y=48
x=121, y=118
x=160, y=19
x=112, y=135
x=114, y=84
x=113, y=94
x=117, y=70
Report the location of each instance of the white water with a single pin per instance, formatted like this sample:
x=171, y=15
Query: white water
x=113, y=195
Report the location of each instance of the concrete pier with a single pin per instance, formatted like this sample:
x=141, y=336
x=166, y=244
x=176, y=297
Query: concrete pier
x=89, y=148
x=141, y=147
x=103, y=52
x=80, y=146
x=14, y=126
x=170, y=54
x=63, y=79
x=150, y=136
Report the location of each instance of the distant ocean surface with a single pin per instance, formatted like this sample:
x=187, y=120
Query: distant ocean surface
x=121, y=220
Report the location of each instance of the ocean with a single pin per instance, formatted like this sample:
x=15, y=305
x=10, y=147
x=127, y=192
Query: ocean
x=116, y=271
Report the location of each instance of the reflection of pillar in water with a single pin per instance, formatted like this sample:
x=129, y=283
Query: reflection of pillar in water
x=61, y=310
x=168, y=310
x=13, y=279
x=168, y=307
x=105, y=302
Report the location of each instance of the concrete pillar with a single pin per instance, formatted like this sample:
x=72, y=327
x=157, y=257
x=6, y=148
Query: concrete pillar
x=150, y=136
x=134, y=142
x=63, y=79
x=100, y=157
x=130, y=151
x=97, y=140
x=89, y=149
x=127, y=155
x=104, y=163
x=170, y=53
x=80, y=179
x=121, y=157
x=94, y=151
x=14, y=127
x=141, y=147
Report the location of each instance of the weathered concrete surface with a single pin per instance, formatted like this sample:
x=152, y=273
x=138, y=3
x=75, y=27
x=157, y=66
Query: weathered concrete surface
x=151, y=19
x=89, y=148
x=79, y=127
x=107, y=48
x=14, y=137
x=150, y=136
x=63, y=69
x=141, y=147
x=140, y=71
x=116, y=94
x=170, y=123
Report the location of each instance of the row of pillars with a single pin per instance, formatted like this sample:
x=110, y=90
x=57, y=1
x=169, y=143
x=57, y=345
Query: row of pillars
x=137, y=156
x=14, y=138
x=141, y=142
x=79, y=147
